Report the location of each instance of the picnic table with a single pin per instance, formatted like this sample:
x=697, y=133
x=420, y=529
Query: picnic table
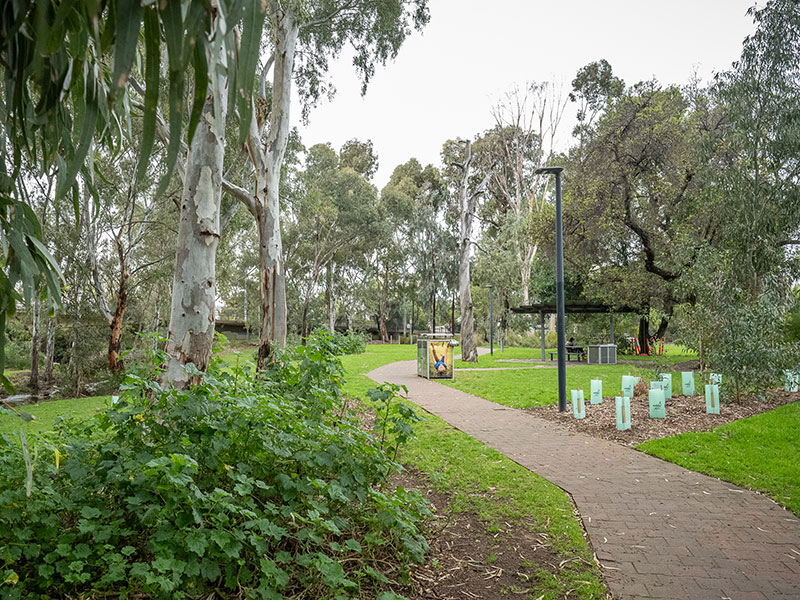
x=576, y=352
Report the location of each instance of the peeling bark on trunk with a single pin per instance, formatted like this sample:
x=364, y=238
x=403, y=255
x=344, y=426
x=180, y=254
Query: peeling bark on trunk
x=269, y=161
x=191, y=324
x=33, y=380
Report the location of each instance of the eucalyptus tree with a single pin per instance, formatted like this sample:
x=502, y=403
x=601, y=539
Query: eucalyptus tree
x=527, y=122
x=60, y=99
x=416, y=199
x=335, y=216
x=466, y=195
x=302, y=38
x=635, y=215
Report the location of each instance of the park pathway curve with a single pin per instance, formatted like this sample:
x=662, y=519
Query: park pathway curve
x=659, y=530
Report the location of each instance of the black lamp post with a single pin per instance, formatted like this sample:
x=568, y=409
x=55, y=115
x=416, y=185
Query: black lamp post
x=562, y=346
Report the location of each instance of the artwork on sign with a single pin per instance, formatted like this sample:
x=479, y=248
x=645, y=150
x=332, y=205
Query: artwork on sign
x=687, y=381
x=596, y=396
x=628, y=383
x=440, y=362
x=715, y=378
x=666, y=378
x=712, y=398
x=658, y=409
x=623, y=413
x=578, y=406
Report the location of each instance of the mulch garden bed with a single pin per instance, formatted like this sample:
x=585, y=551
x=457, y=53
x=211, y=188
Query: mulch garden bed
x=684, y=413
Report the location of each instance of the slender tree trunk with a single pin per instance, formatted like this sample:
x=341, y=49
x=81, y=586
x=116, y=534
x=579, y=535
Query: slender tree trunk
x=433, y=313
x=644, y=335
x=49, y=349
x=453, y=315
x=304, y=318
x=467, y=200
x=383, y=306
x=157, y=318
x=191, y=323
x=331, y=302
x=273, y=275
x=115, y=341
x=33, y=380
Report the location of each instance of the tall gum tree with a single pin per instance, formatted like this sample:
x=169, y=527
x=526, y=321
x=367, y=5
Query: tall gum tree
x=467, y=201
x=315, y=33
x=192, y=310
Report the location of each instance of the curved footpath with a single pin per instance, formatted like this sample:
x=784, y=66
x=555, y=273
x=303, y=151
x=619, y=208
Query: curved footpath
x=659, y=530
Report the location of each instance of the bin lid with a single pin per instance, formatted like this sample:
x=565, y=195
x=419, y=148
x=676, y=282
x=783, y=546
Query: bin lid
x=434, y=336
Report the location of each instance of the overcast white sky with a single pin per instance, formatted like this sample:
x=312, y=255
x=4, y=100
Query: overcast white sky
x=446, y=79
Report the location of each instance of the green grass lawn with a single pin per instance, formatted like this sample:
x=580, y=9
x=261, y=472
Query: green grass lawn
x=47, y=412
x=537, y=387
x=759, y=452
x=672, y=354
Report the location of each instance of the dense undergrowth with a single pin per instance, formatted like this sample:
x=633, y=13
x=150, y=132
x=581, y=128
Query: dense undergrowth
x=239, y=487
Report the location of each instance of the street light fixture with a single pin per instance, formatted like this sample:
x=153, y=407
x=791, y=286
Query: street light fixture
x=562, y=346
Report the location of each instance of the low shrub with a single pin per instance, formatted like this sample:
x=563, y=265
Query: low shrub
x=350, y=342
x=241, y=487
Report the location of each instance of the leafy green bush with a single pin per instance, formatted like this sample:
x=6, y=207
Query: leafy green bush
x=18, y=354
x=350, y=342
x=240, y=487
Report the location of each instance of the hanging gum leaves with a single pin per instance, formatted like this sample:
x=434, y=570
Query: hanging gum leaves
x=65, y=66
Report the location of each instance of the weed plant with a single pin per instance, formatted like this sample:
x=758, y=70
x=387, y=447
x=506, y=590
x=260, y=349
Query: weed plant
x=240, y=487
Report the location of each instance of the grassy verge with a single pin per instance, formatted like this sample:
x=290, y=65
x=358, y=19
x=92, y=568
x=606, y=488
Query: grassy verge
x=759, y=452
x=482, y=480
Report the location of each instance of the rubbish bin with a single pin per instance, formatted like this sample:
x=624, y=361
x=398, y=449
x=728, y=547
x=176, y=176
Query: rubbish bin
x=435, y=355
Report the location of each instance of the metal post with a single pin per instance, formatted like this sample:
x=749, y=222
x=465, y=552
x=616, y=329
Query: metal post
x=491, y=324
x=562, y=346
x=611, y=329
x=542, y=328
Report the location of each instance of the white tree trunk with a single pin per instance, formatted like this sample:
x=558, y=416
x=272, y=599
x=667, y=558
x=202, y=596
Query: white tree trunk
x=33, y=380
x=469, y=351
x=267, y=201
x=49, y=349
x=191, y=323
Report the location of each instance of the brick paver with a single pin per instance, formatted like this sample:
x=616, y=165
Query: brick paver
x=659, y=530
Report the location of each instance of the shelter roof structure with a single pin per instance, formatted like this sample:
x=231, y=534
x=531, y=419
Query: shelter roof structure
x=549, y=308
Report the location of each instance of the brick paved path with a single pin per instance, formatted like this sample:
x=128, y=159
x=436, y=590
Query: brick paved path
x=660, y=531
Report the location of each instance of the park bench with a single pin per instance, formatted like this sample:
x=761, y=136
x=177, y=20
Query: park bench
x=579, y=354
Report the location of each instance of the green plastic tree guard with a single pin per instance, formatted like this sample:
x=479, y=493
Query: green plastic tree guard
x=657, y=385
x=628, y=383
x=687, y=380
x=623, y=413
x=596, y=396
x=658, y=409
x=667, y=379
x=792, y=381
x=578, y=405
x=712, y=398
